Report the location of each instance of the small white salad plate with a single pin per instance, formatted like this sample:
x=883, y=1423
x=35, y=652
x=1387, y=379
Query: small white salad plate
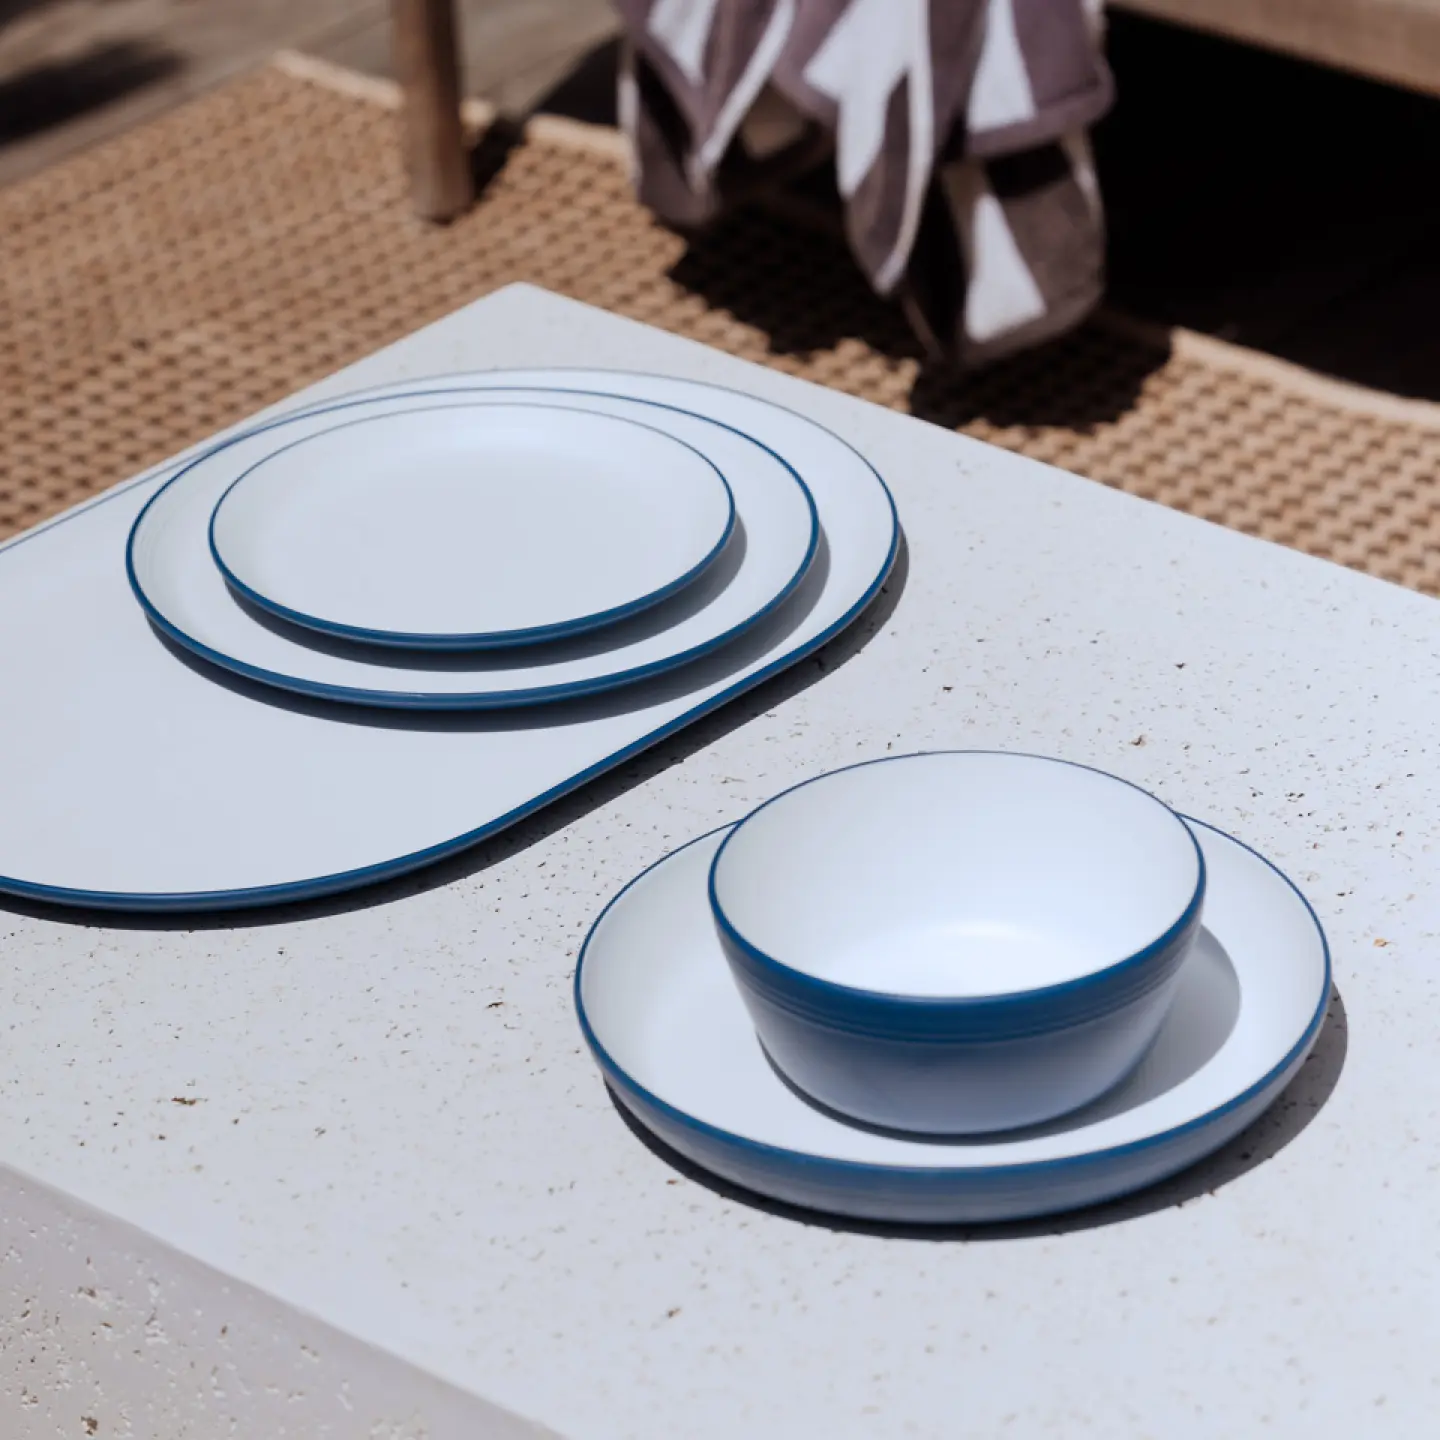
x=173, y=574
x=662, y=1015
x=473, y=527
x=199, y=792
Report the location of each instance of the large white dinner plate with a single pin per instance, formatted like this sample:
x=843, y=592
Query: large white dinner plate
x=176, y=581
x=471, y=526
x=663, y=1017
x=146, y=780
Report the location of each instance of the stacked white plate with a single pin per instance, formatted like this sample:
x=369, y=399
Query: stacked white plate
x=351, y=640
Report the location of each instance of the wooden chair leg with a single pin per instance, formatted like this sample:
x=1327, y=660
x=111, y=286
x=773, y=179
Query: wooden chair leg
x=427, y=66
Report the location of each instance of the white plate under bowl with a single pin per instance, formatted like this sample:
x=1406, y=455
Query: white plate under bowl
x=663, y=1018
x=471, y=527
x=174, y=577
x=153, y=782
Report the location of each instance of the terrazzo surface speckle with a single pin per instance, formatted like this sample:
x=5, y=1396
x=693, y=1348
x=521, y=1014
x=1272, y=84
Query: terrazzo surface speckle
x=378, y=1110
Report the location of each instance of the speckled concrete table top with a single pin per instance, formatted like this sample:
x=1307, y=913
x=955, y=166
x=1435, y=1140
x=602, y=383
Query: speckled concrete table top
x=347, y=1169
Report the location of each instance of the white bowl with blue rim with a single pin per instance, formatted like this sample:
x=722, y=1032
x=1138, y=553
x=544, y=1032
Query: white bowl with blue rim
x=958, y=942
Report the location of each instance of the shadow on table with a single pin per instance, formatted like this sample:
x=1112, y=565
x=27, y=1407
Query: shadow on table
x=492, y=150
x=1298, y=1104
x=59, y=90
x=803, y=294
x=1288, y=220
x=548, y=819
x=587, y=92
x=784, y=269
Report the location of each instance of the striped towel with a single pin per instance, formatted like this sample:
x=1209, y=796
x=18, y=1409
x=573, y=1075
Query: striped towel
x=959, y=134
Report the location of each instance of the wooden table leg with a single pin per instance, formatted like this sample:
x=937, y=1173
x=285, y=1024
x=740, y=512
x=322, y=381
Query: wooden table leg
x=427, y=67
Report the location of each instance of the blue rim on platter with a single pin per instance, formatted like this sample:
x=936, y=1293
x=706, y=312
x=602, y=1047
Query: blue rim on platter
x=838, y=1184
x=321, y=886
x=492, y=640
x=476, y=700
x=1005, y=1016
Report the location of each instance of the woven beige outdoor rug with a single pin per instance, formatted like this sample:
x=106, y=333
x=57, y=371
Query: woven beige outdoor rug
x=180, y=277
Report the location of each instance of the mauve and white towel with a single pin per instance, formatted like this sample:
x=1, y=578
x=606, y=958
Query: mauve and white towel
x=959, y=131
